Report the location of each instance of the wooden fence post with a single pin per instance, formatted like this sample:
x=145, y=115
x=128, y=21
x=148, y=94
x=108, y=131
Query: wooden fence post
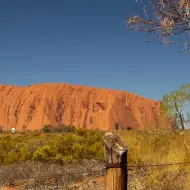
x=116, y=162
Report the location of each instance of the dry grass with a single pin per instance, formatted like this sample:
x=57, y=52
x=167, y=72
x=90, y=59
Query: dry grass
x=158, y=147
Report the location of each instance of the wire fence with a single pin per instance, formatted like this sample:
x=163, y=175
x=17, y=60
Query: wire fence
x=158, y=165
x=74, y=180
x=77, y=180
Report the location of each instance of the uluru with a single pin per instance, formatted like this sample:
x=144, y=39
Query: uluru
x=32, y=107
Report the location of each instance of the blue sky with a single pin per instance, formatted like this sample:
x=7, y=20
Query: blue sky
x=85, y=42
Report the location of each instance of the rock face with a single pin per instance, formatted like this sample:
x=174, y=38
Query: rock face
x=30, y=108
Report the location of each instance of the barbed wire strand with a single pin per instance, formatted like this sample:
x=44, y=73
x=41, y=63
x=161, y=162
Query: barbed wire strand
x=158, y=165
x=102, y=170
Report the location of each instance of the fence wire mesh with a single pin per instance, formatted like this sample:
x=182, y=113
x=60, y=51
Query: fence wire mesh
x=175, y=176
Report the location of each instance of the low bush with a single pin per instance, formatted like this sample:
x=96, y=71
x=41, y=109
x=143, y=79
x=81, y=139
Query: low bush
x=58, y=129
x=1, y=129
x=61, y=148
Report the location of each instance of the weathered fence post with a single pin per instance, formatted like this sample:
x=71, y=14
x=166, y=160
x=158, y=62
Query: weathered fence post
x=116, y=162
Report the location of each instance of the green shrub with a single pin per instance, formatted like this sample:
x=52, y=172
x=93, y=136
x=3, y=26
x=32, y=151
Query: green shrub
x=64, y=128
x=1, y=129
x=47, y=129
x=58, y=148
x=45, y=153
x=58, y=129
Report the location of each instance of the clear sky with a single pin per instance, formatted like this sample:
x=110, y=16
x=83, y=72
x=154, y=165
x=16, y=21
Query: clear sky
x=85, y=42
